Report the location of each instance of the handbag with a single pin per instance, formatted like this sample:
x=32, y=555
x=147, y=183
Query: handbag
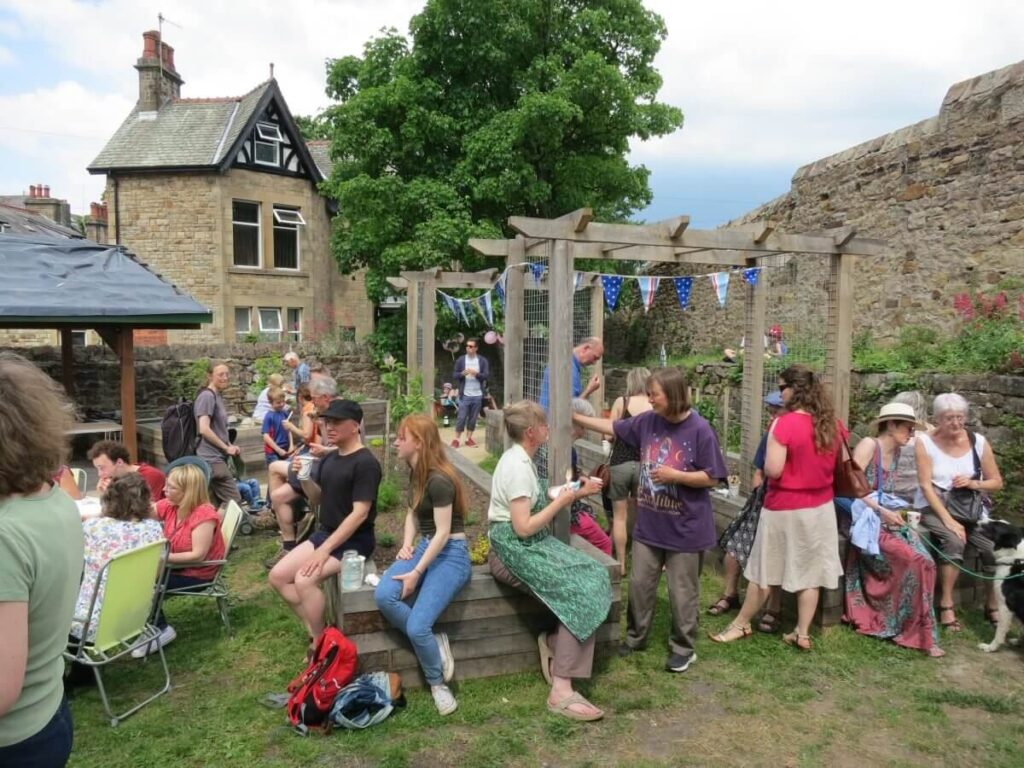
x=848, y=479
x=964, y=505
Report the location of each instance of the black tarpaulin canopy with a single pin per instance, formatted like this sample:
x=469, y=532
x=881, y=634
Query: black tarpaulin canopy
x=53, y=282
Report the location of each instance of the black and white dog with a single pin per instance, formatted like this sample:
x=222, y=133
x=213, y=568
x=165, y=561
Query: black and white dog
x=1008, y=549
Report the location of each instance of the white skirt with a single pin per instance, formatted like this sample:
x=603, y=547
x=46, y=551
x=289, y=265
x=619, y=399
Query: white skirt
x=796, y=549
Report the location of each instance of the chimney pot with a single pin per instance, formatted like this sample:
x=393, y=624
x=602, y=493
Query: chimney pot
x=168, y=57
x=46, y=190
x=103, y=211
x=31, y=190
x=149, y=44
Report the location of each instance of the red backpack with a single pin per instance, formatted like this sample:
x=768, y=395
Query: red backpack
x=332, y=668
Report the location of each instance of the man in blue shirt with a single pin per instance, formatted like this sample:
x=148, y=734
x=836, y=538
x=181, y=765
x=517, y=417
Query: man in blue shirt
x=587, y=352
x=301, y=372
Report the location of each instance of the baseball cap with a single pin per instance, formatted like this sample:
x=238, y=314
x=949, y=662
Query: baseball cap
x=342, y=410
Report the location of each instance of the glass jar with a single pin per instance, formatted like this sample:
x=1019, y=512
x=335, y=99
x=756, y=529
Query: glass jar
x=351, y=570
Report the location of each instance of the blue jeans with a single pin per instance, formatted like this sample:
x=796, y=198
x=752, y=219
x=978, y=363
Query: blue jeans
x=249, y=490
x=49, y=748
x=442, y=581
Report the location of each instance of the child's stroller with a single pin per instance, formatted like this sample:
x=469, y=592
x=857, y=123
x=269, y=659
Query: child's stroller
x=449, y=404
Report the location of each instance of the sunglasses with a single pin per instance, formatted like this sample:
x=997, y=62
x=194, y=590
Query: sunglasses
x=784, y=387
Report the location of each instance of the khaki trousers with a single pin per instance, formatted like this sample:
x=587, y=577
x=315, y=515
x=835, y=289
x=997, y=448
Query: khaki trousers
x=683, y=572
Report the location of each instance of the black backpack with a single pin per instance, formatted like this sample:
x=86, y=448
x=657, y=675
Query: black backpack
x=178, y=431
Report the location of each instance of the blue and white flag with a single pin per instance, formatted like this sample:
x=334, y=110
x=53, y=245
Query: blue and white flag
x=450, y=302
x=752, y=275
x=720, y=281
x=648, y=288
x=612, y=285
x=683, y=287
x=577, y=281
x=537, y=268
x=463, y=313
x=500, y=287
x=486, y=308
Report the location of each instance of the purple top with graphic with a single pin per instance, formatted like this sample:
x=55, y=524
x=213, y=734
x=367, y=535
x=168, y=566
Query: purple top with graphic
x=675, y=517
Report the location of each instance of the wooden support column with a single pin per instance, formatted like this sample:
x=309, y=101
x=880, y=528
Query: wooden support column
x=839, y=344
x=67, y=362
x=753, y=378
x=560, y=295
x=122, y=340
x=515, y=325
x=413, y=359
x=597, y=399
x=429, y=299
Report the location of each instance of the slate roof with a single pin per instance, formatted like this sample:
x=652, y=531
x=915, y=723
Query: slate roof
x=18, y=220
x=188, y=134
x=321, y=154
x=59, y=280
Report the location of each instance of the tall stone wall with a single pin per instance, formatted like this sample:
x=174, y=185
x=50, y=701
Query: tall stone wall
x=160, y=373
x=946, y=194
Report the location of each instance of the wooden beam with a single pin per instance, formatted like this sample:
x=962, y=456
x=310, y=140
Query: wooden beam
x=413, y=359
x=675, y=226
x=581, y=218
x=764, y=230
x=515, y=325
x=713, y=257
x=67, y=362
x=488, y=247
x=597, y=329
x=398, y=283
x=428, y=373
x=441, y=279
x=839, y=344
x=842, y=236
x=560, y=308
x=737, y=239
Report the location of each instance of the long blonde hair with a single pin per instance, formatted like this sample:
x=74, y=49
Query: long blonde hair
x=432, y=458
x=192, y=482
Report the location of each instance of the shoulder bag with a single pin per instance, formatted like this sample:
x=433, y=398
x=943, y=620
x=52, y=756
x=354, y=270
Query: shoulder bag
x=964, y=505
x=848, y=480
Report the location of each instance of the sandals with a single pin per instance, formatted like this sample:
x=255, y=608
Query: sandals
x=562, y=708
x=545, y=657
x=768, y=623
x=723, y=636
x=802, y=642
x=724, y=604
x=952, y=626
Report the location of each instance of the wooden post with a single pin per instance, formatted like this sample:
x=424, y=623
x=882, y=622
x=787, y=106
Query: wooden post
x=726, y=397
x=753, y=376
x=126, y=353
x=840, y=329
x=413, y=360
x=429, y=307
x=67, y=362
x=515, y=324
x=597, y=399
x=560, y=295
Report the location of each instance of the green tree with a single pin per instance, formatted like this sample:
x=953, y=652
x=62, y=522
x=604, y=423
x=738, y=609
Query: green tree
x=490, y=108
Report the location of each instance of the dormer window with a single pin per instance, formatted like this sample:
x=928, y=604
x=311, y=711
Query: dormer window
x=269, y=132
x=267, y=147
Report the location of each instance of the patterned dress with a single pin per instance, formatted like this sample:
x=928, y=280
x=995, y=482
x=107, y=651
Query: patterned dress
x=889, y=595
x=106, y=537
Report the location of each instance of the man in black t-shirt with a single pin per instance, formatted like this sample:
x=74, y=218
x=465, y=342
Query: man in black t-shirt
x=344, y=483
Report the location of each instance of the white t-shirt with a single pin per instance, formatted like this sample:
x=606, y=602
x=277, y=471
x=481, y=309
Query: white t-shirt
x=472, y=386
x=945, y=467
x=514, y=477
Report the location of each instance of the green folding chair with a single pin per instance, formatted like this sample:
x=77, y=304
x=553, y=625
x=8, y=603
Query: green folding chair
x=122, y=622
x=217, y=587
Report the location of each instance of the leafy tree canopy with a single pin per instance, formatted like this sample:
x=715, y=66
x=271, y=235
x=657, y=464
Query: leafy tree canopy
x=490, y=108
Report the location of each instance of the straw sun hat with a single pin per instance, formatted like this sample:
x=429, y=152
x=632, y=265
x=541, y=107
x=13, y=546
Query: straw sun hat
x=896, y=412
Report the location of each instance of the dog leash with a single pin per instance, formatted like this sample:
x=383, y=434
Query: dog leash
x=968, y=571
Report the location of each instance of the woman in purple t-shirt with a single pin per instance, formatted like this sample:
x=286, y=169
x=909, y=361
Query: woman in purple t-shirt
x=680, y=459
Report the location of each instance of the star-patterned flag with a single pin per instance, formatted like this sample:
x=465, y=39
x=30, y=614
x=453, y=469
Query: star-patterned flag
x=751, y=275
x=500, y=287
x=720, y=282
x=486, y=308
x=537, y=268
x=612, y=285
x=683, y=287
x=648, y=288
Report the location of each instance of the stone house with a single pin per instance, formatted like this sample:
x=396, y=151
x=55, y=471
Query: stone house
x=220, y=196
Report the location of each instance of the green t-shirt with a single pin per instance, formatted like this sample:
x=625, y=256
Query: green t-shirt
x=440, y=492
x=41, y=549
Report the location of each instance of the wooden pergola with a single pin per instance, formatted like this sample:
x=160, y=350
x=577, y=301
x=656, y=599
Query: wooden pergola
x=575, y=236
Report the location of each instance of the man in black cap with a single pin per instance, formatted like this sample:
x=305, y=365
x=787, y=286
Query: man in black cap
x=344, y=483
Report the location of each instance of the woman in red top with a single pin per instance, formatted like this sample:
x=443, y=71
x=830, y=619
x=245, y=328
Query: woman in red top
x=797, y=543
x=192, y=529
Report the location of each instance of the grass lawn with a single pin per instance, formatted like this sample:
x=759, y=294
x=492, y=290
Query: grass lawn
x=853, y=701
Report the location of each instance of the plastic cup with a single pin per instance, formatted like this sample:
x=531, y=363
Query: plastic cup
x=734, y=486
x=305, y=467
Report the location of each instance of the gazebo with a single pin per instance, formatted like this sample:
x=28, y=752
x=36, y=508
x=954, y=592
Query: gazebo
x=64, y=284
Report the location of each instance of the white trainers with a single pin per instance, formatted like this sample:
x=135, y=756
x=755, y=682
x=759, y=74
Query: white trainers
x=443, y=699
x=166, y=636
x=447, y=660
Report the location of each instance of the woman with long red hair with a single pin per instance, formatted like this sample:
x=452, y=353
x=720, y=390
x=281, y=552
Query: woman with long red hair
x=437, y=568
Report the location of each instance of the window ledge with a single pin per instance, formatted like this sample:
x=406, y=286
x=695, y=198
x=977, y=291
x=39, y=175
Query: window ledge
x=262, y=272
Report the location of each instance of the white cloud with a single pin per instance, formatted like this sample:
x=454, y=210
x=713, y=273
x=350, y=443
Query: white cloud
x=6, y=56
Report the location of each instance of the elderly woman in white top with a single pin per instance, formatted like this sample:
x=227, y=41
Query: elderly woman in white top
x=946, y=461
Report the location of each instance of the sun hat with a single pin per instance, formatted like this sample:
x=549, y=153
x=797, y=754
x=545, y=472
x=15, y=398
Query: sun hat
x=895, y=412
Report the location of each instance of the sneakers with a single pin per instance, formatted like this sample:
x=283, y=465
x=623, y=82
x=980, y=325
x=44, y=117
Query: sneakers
x=447, y=660
x=455, y=443
x=166, y=636
x=471, y=443
x=679, y=663
x=627, y=650
x=443, y=699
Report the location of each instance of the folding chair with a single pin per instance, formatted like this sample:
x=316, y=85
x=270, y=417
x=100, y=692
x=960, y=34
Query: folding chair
x=122, y=622
x=217, y=587
x=81, y=480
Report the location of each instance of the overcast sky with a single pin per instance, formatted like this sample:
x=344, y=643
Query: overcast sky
x=765, y=87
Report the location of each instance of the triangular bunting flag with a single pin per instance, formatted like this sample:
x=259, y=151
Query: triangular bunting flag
x=648, y=288
x=500, y=287
x=462, y=310
x=720, y=281
x=612, y=285
x=537, y=268
x=486, y=308
x=751, y=275
x=449, y=301
x=577, y=281
x=683, y=287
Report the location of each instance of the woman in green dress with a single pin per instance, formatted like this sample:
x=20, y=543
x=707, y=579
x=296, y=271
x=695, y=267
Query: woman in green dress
x=523, y=553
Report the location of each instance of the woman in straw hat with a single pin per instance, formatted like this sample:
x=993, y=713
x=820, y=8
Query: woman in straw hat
x=890, y=576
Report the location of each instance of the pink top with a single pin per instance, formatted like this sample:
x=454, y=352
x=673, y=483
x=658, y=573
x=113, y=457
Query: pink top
x=179, y=534
x=806, y=479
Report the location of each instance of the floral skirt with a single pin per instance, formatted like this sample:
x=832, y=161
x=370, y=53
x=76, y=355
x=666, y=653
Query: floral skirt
x=889, y=595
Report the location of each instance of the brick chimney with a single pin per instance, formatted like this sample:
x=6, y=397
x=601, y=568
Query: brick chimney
x=159, y=81
x=55, y=209
x=96, y=226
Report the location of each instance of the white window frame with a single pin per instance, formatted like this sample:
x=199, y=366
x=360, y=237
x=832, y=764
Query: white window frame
x=281, y=224
x=269, y=132
x=239, y=333
x=294, y=334
x=277, y=153
x=267, y=330
x=259, y=234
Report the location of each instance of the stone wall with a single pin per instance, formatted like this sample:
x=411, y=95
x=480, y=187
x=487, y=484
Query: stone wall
x=161, y=373
x=947, y=194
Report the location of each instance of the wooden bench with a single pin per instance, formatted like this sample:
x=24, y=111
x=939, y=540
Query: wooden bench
x=492, y=627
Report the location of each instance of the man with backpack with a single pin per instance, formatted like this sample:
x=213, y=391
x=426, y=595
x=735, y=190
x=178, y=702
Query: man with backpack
x=214, y=444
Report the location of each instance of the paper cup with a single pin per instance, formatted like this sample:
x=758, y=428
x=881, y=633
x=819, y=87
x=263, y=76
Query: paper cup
x=913, y=518
x=734, y=486
x=305, y=467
